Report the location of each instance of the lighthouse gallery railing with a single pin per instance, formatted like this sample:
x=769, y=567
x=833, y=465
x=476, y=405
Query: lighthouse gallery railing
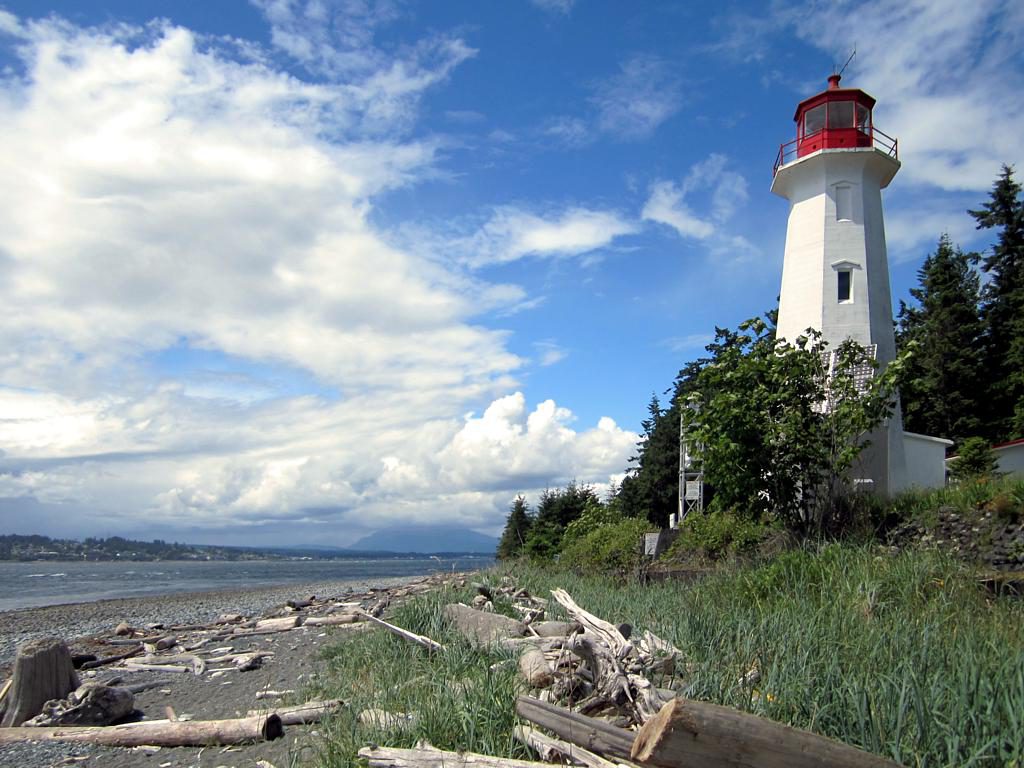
x=789, y=151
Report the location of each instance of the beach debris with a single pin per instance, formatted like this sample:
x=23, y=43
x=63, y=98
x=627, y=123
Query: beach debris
x=533, y=665
x=387, y=721
x=273, y=694
x=90, y=704
x=426, y=756
x=412, y=637
x=161, y=733
x=42, y=672
x=100, y=662
x=301, y=714
x=552, y=750
x=480, y=627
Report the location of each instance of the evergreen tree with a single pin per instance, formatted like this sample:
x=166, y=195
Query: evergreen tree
x=1004, y=308
x=517, y=528
x=940, y=387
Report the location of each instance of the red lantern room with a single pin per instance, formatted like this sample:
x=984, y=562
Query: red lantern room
x=836, y=118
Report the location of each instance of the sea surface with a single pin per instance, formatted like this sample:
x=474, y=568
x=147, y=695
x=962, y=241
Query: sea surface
x=35, y=584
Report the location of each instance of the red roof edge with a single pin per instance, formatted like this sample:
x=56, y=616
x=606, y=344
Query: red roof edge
x=1007, y=445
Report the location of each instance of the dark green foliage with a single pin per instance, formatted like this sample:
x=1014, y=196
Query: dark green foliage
x=940, y=383
x=1003, y=309
x=716, y=534
x=975, y=459
x=768, y=447
x=556, y=510
x=651, y=487
x=517, y=528
x=613, y=548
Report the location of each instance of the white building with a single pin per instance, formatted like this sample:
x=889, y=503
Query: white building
x=835, y=273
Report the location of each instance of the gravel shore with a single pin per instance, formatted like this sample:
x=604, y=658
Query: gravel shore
x=294, y=663
x=74, y=620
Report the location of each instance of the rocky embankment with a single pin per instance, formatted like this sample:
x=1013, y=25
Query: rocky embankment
x=987, y=539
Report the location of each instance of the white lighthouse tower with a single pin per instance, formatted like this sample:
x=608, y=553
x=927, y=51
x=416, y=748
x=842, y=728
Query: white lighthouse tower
x=835, y=274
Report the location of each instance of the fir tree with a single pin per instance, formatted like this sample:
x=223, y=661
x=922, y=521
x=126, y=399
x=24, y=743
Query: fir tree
x=939, y=389
x=517, y=528
x=1004, y=308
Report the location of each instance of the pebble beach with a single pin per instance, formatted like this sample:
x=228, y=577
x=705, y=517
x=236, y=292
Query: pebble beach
x=294, y=663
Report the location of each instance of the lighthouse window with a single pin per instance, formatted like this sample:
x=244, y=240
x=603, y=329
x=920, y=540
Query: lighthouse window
x=845, y=284
x=863, y=118
x=814, y=120
x=844, y=203
x=840, y=114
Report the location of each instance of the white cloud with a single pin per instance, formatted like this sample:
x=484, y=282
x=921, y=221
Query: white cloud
x=946, y=75
x=640, y=97
x=725, y=193
x=549, y=352
x=160, y=196
x=555, y=6
x=572, y=131
x=512, y=234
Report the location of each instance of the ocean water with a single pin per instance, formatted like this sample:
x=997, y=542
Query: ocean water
x=28, y=585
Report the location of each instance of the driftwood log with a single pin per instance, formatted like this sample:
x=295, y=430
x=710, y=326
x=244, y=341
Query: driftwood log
x=159, y=733
x=301, y=714
x=553, y=750
x=42, y=672
x=421, y=640
x=334, y=619
x=689, y=732
x=587, y=732
x=429, y=757
x=482, y=627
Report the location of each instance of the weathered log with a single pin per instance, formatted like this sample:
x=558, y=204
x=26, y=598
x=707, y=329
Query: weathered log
x=535, y=668
x=197, y=664
x=480, y=627
x=283, y=623
x=131, y=667
x=301, y=714
x=556, y=628
x=687, y=732
x=273, y=695
x=90, y=704
x=159, y=733
x=422, y=640
x=387, y=721
x=298, y=605
x=111, y=659
x=610, y=634
x=42, y=672
x=594, y=735
x=551, y=749
x=332, y=620
x=429, y=757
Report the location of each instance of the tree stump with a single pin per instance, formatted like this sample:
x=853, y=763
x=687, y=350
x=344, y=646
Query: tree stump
x=42, y=671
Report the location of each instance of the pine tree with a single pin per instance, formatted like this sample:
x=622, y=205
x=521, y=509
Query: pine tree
x=1004, y=308
x=939, y=389
x=651, y=487
x=517, y=528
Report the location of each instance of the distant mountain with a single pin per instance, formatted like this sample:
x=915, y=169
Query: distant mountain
x=432, y=538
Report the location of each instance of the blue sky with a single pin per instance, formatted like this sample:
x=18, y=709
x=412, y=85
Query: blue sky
x=290, y=270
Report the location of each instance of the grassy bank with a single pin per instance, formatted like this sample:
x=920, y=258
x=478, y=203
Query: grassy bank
x=901, y=655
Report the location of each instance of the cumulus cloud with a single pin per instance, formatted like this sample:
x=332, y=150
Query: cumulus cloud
x=161, y=196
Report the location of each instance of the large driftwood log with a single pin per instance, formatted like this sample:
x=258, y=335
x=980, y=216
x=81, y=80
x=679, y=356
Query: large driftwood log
x=422, y=640
x=42, y=672
x=301, y=714
x=587, y=732
x=429, y=757
x=111, y=659
x=687, y=732
x=333, y=619
x=482, y=627
x=160, y=733
x=553, y=750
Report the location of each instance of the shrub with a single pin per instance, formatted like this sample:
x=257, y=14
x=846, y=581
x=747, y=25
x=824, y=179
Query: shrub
x=717, y=534
x=974, y=460
x=614, y=548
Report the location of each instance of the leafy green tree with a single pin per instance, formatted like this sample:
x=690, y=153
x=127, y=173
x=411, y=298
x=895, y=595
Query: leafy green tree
x=1004, y=307
x=975, y=459
x=517, y=528
x=651, y=486
x=944, y=332
x=778, y=432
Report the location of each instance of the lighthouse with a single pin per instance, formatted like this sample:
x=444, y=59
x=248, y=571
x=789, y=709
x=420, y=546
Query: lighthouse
x=835, y=273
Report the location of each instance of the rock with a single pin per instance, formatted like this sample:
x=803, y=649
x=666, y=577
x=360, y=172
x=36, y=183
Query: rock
x=556, y=628
x=122, y=629
x=480, y=627
x=90, y=704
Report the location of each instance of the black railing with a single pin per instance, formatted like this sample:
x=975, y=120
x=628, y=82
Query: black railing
x=791, y=150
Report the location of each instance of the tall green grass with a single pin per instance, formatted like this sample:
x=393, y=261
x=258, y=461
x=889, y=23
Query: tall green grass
x=901, y=655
